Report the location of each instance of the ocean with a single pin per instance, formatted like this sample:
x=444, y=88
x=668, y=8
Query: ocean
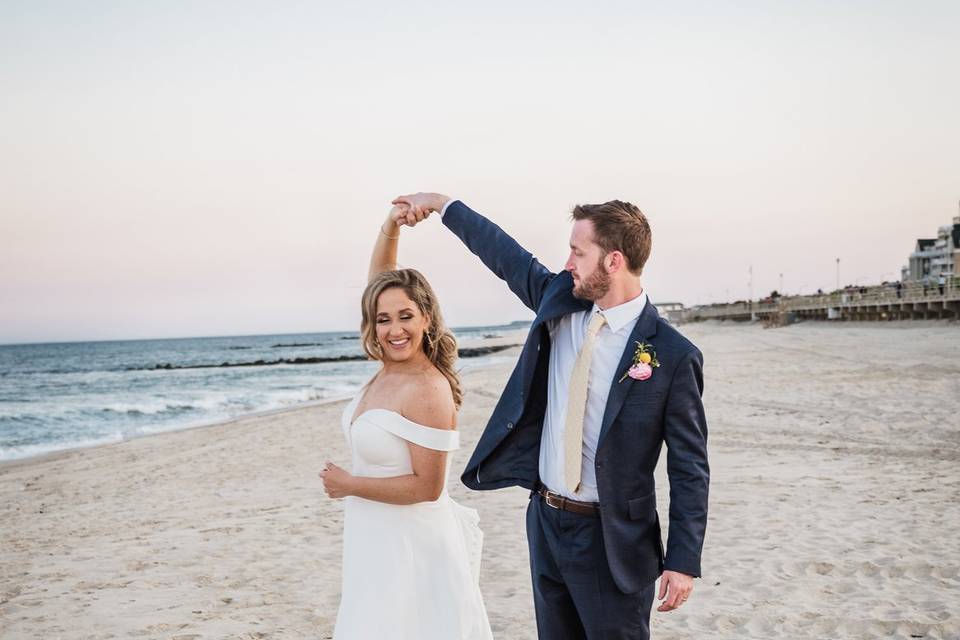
x=57, y=396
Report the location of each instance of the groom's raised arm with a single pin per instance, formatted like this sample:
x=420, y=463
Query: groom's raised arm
x=503, y=255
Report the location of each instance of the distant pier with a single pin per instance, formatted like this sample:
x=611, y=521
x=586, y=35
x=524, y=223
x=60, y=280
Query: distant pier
x=910, y=301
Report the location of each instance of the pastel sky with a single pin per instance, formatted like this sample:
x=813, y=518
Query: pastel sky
x=188, y=169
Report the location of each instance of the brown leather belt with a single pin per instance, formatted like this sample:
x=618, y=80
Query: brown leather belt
x=558, y=501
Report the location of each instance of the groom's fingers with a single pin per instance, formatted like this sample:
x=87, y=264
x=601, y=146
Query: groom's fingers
x=674, y=600
x=663, y=588
x=675, y=596
x=666, y=606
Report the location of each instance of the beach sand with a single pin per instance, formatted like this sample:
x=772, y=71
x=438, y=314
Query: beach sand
x=835, y=507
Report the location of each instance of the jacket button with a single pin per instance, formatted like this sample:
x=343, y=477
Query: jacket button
x=509, y=425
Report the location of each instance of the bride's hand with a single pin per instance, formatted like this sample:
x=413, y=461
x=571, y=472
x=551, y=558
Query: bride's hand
x=402, y=214
x=336, y=481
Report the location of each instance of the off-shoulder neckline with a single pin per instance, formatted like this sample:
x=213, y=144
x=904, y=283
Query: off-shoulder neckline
x=402, y=417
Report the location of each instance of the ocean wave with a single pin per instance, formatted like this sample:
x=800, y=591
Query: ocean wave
x=149, y=410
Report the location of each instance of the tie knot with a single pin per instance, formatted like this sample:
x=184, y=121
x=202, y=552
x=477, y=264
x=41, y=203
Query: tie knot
x=596, y=323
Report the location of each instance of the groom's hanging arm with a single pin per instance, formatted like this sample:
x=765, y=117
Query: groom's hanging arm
x=685, y=433
x=503, y=255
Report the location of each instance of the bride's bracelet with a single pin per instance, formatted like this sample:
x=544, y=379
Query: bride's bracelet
x=396, y=237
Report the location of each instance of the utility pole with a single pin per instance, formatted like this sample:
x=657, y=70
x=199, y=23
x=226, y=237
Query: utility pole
x=838, y=274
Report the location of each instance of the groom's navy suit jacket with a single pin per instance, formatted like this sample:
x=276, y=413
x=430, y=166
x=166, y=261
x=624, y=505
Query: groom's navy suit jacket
x=639, y=417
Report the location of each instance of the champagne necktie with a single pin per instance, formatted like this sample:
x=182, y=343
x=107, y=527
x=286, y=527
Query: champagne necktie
x=577, y=405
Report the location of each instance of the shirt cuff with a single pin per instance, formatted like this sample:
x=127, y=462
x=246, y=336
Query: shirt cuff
x=444, y=209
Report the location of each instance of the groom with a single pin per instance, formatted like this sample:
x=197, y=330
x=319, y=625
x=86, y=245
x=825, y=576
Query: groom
x=602, y=383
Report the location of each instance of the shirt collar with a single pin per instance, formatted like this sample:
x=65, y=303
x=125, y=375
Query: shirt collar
x=624, y=313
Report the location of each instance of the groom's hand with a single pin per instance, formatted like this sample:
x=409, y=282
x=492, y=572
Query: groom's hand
x=420, y=205
x=676, y=588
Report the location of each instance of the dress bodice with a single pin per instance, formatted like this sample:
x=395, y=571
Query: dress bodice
x=378, y=441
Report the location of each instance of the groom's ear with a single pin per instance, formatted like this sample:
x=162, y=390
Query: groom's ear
x=615, y=261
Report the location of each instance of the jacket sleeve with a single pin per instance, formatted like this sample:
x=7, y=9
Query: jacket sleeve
x=685, y=432
x=523, y=273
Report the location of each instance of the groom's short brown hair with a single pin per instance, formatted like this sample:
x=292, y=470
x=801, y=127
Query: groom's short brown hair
x=619, y=226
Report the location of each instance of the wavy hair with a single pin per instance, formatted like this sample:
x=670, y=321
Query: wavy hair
x=438, y=342
x=619, y=226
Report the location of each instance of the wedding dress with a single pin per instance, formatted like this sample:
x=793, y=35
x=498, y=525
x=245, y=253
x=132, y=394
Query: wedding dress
x=409, y=571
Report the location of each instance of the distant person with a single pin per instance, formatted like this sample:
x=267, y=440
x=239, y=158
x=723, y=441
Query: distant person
x=942, y=282
x=602, y=384
x=899, y=288
x=411, y=555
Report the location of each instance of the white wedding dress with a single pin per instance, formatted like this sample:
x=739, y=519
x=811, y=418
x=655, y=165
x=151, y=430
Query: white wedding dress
x=410, y=572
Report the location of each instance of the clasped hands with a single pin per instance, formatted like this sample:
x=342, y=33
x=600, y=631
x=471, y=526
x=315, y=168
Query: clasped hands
x=414, y=208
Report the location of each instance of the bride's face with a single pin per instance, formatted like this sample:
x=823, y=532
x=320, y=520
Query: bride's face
x=400, y=325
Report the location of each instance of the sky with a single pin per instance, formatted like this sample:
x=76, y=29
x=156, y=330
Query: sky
x=202, y=168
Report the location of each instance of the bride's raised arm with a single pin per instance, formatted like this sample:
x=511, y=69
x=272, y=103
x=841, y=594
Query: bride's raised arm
x=384, y=256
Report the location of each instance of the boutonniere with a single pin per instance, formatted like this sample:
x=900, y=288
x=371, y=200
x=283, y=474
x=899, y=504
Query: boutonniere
x=644, y=361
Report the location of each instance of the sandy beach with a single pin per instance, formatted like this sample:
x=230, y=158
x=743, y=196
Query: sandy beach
x=835, y=507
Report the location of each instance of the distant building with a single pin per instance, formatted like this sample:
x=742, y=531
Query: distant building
x=933, y=257
x=670, y=311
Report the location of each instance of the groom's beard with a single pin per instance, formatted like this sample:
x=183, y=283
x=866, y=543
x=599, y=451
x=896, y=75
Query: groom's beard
x=594, y=286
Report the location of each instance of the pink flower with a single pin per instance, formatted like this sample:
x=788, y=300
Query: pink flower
x=640, y=371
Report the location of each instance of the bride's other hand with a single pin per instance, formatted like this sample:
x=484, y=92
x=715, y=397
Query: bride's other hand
x=336, y=481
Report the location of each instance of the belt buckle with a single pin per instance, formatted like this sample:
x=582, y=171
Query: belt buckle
x=550, y=497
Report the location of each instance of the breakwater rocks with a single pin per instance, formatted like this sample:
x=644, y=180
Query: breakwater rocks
x=471, y=352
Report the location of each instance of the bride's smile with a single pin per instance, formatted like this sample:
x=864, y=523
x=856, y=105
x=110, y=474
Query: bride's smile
x=400, y=325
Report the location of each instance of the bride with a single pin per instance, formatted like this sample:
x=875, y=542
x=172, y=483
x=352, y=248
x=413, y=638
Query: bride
x=411, y=555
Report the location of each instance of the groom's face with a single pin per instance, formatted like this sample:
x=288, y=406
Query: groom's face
x=590, y=278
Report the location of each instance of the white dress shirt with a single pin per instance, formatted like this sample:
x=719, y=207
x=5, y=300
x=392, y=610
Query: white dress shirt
x=566, y=339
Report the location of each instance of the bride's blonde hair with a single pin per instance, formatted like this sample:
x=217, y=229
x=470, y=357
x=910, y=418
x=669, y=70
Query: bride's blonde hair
x=438, y=342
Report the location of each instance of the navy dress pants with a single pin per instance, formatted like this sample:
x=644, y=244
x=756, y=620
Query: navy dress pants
x=574, y=594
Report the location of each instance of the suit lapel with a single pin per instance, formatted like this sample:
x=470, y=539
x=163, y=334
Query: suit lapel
x=645, y=329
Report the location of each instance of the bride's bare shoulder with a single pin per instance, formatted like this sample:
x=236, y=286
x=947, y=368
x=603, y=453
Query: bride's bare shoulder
x=428, y=400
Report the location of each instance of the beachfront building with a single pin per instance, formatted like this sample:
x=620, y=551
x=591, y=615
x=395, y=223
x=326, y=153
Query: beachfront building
x=935, y=257
x=670, y=311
